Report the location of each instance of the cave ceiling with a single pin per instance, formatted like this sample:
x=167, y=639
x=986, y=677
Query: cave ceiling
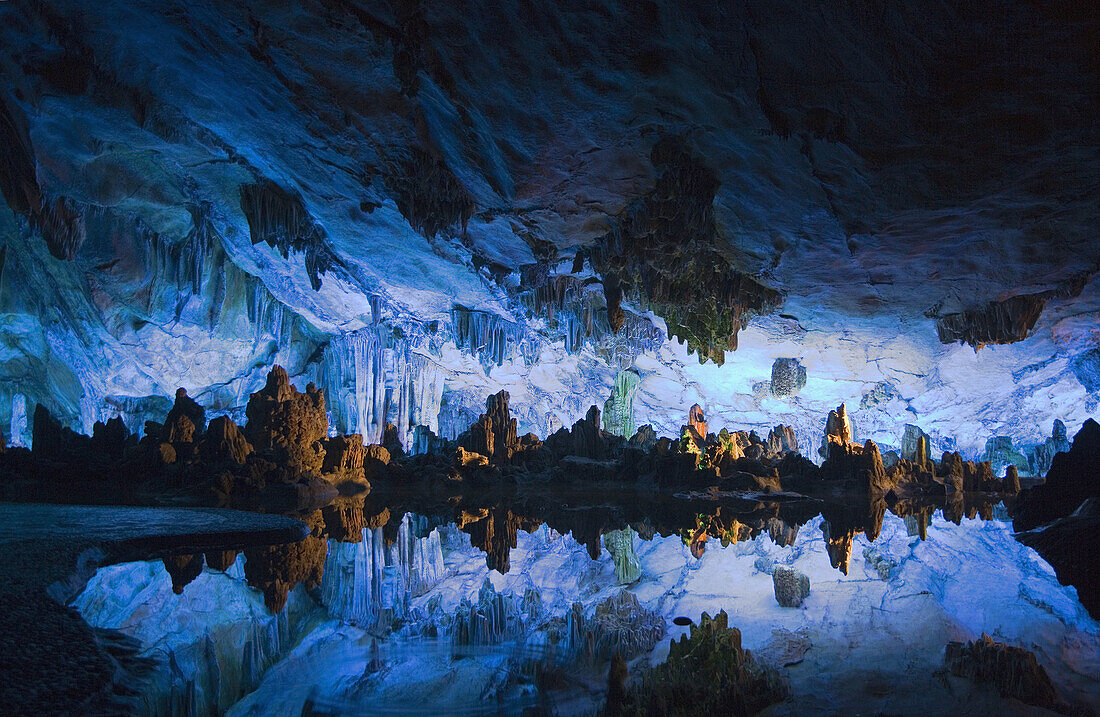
x=903, y=197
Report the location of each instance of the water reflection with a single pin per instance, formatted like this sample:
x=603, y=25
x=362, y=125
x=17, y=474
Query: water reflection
x=519, y=604
x=594, y=519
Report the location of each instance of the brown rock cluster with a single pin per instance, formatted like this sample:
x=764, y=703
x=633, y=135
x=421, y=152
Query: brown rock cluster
x=225, y=442
x=494, y=531
x=960, y=475
x=279, y=460
x=706, y=673
x=664, y=251
x=862, y=466
x=276, y=569
x=290, y=423
x=494, y=434
x=838, y=430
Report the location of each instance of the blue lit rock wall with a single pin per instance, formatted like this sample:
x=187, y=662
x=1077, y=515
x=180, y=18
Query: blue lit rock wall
x=196, y=191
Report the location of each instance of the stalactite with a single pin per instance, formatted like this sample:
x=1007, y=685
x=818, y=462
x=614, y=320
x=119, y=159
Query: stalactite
x=192, y=254
x=487, y=336
x=278, y=217
x=89, y=411
x=267, y=315
x=370, y=581
x=371, y=377
x=576, y=313
x=456, y=415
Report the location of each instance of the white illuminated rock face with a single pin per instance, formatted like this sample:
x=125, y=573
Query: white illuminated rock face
x=212, y=644
x=422, y=158
x=873, y=637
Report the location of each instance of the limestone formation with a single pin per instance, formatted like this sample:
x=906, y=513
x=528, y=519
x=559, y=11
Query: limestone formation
x=1001, y=454
x=111, y=438
x=645, y=437
x=290, y=423
x=859, y=464
x=276, y=569
x=344, y=519
x=620, y=543
x=1013, y=671
x=781, y=440
x=838, y=430
x=788, y=377
x=224, y=441
x=665, y=248
x=494, y=434
x=481, y=438
x=504, y=426
x=706, y=673
x=48, y=437
x=464, y=458
x=883, y=393
x=587, y=441
x=951, y=471
x=911, y=444
x=1003, y=321
x=62, y=454
x=391, y=440
x=180, y=431
x=187, y=406
x=1071, y=480
x=960, y=475
x=621, y=626
x=278, y=217
x=838, y=544
x=494, y=532
x=697, y=423
x=375, y=461
x=183, y=569
x=221, y=560
x=345, y=457
x=1042, y=455
x=791, y=587
x=493, y=619
x=618, y=410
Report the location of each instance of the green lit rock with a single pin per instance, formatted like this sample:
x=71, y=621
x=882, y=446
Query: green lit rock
x=620, y=543
x=1000, y=452
x=618, y=410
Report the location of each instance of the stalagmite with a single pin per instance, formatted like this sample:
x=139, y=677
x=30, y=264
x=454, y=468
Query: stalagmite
x=618, y=410
x=837, y=430
x=18, y=420
x=620, y=543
